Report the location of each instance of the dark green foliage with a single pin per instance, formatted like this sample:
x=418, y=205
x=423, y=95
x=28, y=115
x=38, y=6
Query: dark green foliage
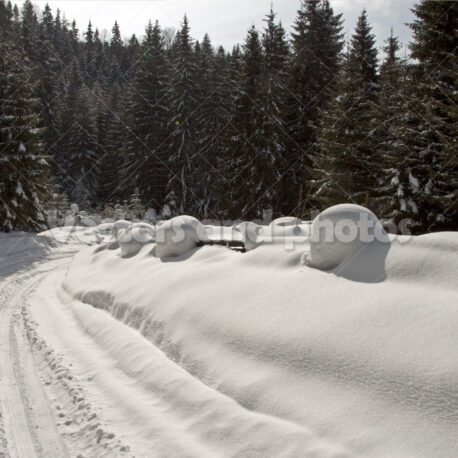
x=147, y=166
x=435, y=45
x=347, y=162
x=317, y=41
x=183, y=124
x=23, y=170
x=279, y=124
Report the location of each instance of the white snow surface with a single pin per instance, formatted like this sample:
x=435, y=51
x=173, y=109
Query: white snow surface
x=291, y=349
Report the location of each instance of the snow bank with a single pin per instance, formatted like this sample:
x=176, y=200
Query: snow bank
x=360, y=361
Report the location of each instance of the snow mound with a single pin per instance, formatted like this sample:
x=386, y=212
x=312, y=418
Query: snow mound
x=119, y=225
x=286, y=221
x=105, y=228
x=178, y=236
x=340, y=233
x=133, y=237
x=250, y=233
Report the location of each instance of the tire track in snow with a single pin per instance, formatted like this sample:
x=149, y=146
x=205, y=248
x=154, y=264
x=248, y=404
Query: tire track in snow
x=28, y=424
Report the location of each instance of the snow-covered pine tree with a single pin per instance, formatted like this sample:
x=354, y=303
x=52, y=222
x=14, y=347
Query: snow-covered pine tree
x=274, y=106
x=402, y=143
x=30, y=31
x=6, y=19
x=116, y=55
x=346, y=161
x=77, y=160
x=70, y=83
x=82, y=148
x=231, y=80
x=48, y=68
x=111, y=142
x=212, y=121
x=183, y=122
x=89, y=58
x=103, y=67
x=247, y=141
x=435, y=46
x=130, y=58
x=147, y=166
x=23, y=171
x=317, y=43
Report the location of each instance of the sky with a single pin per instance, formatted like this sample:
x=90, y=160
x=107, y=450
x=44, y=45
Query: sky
x=226, y=21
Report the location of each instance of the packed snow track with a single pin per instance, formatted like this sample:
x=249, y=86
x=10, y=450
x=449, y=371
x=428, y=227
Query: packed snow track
x=28, y=427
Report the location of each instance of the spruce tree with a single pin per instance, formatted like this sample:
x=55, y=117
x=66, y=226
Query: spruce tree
x=247, y=142
x=48, y=68
x=6, y=19
x=110, y=145
x=30, y=31
x=83, y=163
x=89, y=57
x=148, y=114
x=212, y=118
x=317, y=43
x=116, y=54
x=346, y=160
x=226, y=162
x=23, y=171
x=274, y=106
x=399, y=199
x=77, y=161
x=183, y=123
x=435, y=46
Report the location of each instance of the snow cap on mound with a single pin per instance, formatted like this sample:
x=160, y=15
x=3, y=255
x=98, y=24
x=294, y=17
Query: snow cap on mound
x=339, y=233
x=286, y=221
x=133, y=237
x=178, y=235
x=250, y=234
x=119, y=225
x=105, y=228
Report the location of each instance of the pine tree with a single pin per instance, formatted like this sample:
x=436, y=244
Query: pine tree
x=90, y=57
x=129, y=62
x=148, y=111
x=6, y=19
x=116, y=55
x=435, y=46
x=399, y=200
x=23, y=171
x=48, y=68
x=77, y=161
x=183, y=123
x=212, y=118
x=274, y=107
x=317, y=43
x=346, y=161
x=226, y=184
x=111, y=144
x=82, y=148
x=29, y=31
x=247, y=143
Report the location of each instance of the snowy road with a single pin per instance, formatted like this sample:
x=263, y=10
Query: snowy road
x=27, y=423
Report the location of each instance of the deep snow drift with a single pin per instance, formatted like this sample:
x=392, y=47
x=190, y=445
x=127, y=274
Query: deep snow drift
x=299, y=347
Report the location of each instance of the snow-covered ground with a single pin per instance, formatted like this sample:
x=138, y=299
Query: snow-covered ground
x=147, y=344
